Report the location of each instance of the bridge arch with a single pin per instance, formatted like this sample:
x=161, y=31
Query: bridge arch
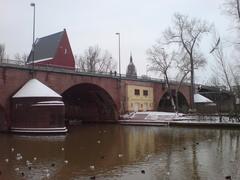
x=88, y=102
x=181, y=102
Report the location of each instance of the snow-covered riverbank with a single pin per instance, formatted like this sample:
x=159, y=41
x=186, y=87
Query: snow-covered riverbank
x=162, y=117
x=153, y=115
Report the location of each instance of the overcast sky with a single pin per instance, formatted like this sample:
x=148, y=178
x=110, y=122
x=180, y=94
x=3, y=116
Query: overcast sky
x=95, y=22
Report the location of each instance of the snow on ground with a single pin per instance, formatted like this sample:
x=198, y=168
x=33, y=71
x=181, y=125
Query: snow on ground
x=162, y=115
x=172, y=116
x=153, y=115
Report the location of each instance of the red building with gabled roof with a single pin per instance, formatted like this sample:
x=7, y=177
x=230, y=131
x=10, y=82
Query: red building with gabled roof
x=53, y=50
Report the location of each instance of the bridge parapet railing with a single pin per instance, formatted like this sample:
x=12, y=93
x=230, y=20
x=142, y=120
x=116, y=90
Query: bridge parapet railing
x=65, y=69
x=12, y=62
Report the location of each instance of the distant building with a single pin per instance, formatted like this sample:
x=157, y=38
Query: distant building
x=131, y=69
x=53, y=50
x=139, y=98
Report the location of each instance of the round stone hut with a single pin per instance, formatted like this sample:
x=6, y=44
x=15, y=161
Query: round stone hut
x=37, y=109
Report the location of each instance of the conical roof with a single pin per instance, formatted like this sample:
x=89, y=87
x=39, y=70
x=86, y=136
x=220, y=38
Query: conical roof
x=34, y=88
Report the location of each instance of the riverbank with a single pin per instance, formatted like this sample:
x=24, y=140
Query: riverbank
x=174, y=119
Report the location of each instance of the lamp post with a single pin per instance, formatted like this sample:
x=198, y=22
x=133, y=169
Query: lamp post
x=33, y=44
x=119, y=55
x=119, y=66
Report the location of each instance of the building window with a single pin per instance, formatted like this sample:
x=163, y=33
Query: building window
x=65, y=51
x=131, y=104
x=145, y=92
x=137, y=92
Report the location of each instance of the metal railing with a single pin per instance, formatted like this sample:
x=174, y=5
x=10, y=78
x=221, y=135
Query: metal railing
x=78, y=71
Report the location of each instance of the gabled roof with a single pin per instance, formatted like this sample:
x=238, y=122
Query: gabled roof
x=34, y=88
x=46, y=47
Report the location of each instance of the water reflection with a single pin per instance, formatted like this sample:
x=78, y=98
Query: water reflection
x=123, y=152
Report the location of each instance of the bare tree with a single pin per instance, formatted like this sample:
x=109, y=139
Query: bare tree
x=160, y=62
x=94, y=60
x=187, y=33
x=21, y=57
x=224, y=67
x=232, y=8
x=222, y=70
x=226, y=77
x=183, y=66
x=214, y=80
x=2, y=52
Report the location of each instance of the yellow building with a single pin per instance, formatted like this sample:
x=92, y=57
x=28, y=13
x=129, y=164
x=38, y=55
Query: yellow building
x=139, y=98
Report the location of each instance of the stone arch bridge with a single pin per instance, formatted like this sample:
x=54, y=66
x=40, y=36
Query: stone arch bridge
x=86, y=95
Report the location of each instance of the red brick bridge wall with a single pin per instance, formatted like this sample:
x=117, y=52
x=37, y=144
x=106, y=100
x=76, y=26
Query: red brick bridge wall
x=12, y=79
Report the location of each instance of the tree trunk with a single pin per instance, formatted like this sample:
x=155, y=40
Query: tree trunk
x=170, y=93
x=192, y=105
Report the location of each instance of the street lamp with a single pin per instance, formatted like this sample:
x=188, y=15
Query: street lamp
x=33, y=44
x=119, y=56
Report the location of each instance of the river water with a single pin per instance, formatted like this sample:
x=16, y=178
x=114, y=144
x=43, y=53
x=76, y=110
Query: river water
x=122, y=152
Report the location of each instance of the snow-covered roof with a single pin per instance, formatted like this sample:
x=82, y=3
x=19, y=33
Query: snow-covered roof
x=34, y=88
x=198, y=98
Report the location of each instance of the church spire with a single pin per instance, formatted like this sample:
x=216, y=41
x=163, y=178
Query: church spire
x=131, y=61
x=131, y=69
